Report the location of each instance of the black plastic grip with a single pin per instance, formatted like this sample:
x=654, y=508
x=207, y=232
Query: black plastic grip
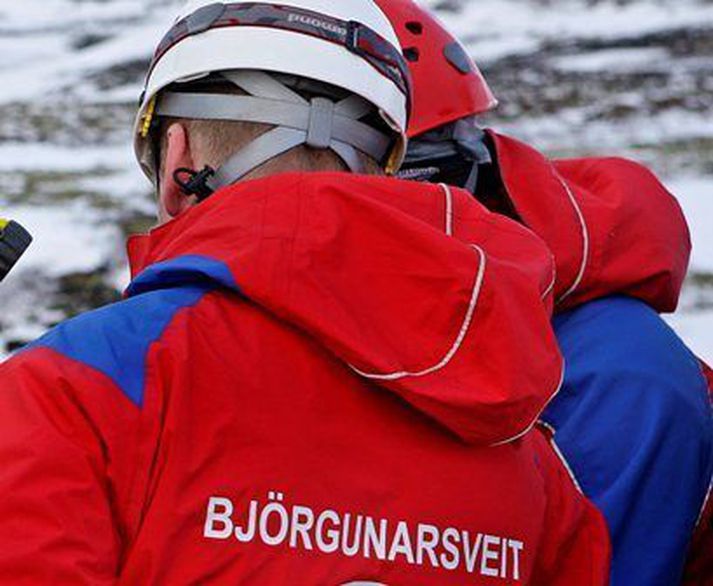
x=14, y=241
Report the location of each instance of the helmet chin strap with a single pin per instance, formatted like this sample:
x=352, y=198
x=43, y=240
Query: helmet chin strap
x=319, y=123
x=444, y=152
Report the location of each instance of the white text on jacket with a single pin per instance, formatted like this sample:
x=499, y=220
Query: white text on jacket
x=301, y=527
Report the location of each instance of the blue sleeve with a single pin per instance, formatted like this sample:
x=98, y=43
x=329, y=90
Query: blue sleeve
x=634, y=422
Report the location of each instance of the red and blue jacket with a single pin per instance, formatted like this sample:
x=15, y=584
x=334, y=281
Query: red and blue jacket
x=633, y=418
x=315, y=378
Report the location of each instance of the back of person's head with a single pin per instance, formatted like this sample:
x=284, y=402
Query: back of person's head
x=252, y=88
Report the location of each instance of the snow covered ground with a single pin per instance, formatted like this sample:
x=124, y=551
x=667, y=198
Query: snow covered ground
x=495, y=29
x=628, y=77
x=696, y=196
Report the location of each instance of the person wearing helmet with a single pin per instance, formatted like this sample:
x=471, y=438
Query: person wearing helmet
x=633, y=418
x=310, y=379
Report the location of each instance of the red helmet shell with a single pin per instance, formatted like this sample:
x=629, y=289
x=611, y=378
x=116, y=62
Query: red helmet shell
x=447, y=84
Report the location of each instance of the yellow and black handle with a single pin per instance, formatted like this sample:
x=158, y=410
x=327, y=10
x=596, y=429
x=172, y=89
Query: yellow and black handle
x=14, y=241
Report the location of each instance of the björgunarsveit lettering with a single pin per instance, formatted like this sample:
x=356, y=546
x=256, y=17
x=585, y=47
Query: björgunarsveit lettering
x=274, y=523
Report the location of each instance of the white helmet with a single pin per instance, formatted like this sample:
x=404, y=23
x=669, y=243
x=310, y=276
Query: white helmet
x=347, y=44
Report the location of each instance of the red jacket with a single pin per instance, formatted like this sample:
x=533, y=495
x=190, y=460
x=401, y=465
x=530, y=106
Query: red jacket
x=612, y=226
x=311, y=379
x=615, y=230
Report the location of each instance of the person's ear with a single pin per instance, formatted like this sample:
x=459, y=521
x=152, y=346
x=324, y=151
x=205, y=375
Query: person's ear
x=172, y=201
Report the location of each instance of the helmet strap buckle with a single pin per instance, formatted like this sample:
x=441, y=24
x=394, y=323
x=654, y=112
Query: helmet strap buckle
x=194, y=182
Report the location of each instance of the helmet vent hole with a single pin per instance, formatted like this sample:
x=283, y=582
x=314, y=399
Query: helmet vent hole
x=415, y=27
x=412, y=54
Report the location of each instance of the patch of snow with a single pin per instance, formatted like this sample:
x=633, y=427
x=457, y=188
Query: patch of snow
x=695, y=195
x=126, y=187
x=646, y=59
x=120, y=278
x=128, y=94
x=493, y=29
x=49, y=65
x=582, y=129
x=696, y=329
x=41, y=15
x=26, y=50
x=48, y=157
x=68, y=238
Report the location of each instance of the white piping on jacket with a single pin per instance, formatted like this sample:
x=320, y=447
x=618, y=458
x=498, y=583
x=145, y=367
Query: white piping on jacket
x=552, y=284
x=469, y=317
x=560, y=455
x=477, y=286
x=585, y=240
x=449, y=208
x=449, y=232
x=705, y=503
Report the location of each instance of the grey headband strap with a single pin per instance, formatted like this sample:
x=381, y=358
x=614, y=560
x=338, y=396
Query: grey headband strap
x=268, y=146
x=349, y=155
x=262, y=85
x=235, y=108
x=265, y=147
x=320, y=123
x=354, y=107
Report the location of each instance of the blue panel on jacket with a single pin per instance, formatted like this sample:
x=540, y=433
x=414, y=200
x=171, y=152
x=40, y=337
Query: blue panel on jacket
x=634, y=422
x=115, y=340
x=183, y=270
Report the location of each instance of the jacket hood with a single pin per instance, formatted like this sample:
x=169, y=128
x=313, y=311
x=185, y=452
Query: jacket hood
x=612, y=226
x=416, y=288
